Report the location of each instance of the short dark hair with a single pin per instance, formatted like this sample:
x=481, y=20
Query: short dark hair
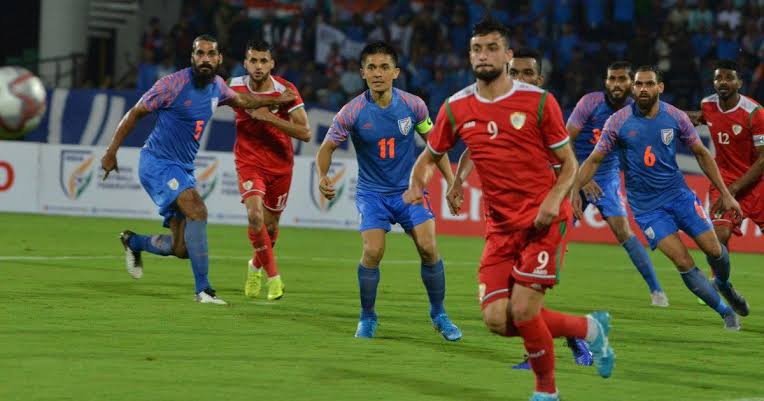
x=205, y=37
x=726, y=64
x=527, y=52
x=622, y=65
x=490, y=25
x=653, y=69
x=259, y=46
x=379, y=48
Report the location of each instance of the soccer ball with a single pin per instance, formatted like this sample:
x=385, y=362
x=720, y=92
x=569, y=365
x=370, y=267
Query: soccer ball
x=22, y=102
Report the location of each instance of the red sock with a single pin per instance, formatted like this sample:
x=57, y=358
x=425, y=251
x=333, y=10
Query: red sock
x=540, y=346
x=263, y=257
x=564, y=325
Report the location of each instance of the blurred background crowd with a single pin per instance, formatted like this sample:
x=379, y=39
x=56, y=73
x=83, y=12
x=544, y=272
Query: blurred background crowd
x=317, y=41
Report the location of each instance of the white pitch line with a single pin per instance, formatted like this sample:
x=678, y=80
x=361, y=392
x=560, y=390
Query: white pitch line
x=229, y=257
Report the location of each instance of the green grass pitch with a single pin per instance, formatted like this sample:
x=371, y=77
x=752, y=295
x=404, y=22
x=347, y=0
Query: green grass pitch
x=75, y=326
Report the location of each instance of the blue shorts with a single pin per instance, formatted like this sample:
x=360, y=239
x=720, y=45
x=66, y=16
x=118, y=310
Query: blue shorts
x=612, y=202
x=382, y=210
x=164, y=180
x=685, y=212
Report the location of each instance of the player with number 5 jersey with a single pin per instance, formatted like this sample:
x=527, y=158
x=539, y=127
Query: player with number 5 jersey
x=646, y=135
x=184, y=103
x=383, y=122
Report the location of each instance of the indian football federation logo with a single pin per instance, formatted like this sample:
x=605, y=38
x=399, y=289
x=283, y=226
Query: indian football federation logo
x=667, y=135
x=76, y=172
x=337, y=175
x=737, y=129
x=206, y=174
x=404, y=125
x=517, y=119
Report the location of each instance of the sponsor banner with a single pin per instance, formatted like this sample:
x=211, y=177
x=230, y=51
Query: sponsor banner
x=592, y=228
x=308, y=208
x=19, y=170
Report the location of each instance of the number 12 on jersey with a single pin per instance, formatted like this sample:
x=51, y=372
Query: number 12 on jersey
x=386, y=148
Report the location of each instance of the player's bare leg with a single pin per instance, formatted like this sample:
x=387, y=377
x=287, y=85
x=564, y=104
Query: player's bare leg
x=368, y=279
x=434, y=279
x=190, y=203
x=696, y=282
x=263, y=252
x=620, y=227
x=718, y=257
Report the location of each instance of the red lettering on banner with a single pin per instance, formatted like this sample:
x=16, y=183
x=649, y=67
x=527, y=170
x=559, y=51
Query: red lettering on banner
x=4, y=165
x=592, y=229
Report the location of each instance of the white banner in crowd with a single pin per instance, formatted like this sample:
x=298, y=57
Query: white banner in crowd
x=61, y=179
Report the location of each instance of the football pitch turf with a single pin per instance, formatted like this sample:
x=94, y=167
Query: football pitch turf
x=75, y=326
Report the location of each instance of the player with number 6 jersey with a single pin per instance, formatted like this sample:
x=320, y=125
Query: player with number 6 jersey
x=264, y=158
x=646, y=135
x=383, y=122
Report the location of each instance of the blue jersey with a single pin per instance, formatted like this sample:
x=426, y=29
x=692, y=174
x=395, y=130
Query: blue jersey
x=589, y=116
x=648, y=150
x=183, y=111
x=383, y=138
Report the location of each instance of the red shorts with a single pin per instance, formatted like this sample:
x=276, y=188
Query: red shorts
x=531, y=258
x=751, y=202
x=274, y=189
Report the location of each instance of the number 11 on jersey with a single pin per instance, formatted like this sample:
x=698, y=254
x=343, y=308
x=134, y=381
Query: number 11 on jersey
x=386, y=148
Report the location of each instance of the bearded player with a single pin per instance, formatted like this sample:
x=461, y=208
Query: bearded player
x=264, y=159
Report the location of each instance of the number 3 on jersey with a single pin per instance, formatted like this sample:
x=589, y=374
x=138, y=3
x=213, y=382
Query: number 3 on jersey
x=198, y=130
x=386, y=148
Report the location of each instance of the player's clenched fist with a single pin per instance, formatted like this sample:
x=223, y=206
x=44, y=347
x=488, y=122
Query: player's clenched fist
x=286, y=97
x=455, y=196
x=414, y=195
x=326, y=188
x=109, y=163
x=548, y=212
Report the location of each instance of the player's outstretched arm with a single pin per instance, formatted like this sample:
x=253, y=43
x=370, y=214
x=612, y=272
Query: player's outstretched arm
x=297, y=126
x=711, y=170
x=323, y=161
x=250, y=101
x=550, y=207
x=125, y=127
x=421, y=174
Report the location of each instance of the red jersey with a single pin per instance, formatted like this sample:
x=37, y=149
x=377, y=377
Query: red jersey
x=736, y=133
x=259, y=144
x=510, y=139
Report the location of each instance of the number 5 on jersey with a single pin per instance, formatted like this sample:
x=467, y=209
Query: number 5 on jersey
x=198, y=130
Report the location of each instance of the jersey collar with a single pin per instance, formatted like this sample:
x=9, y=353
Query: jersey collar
x=515, y=84
x=737, y=106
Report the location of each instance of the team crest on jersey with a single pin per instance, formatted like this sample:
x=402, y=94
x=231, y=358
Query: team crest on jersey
x=736, y=129
x=214, y=103
x=667, y=135
x=404, y=125
x=517, y=119
x=247, y=185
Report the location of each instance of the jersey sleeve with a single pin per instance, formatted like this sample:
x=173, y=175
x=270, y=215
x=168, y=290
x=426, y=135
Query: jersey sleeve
x=298, y=102
x=422, y=115
x=342, y=125
x=443, y=134
x=226, y=93
x=163, y=92
x=609, y=136
x=687, y=132
x=553, y=130
x=757, y=126
x=582, y=111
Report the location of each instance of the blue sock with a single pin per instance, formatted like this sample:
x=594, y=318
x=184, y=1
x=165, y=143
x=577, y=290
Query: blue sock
x=367, y=285
x=434, y=280
x=642, y=262
x=700, y=286
x=156, y=244
x=721, y=267
x=196, y=243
